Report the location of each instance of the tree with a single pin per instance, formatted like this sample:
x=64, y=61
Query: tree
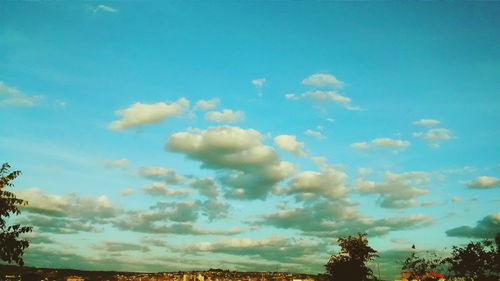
x=350, y=263
x=419, y=267
x=479, y=261
x=11, y=246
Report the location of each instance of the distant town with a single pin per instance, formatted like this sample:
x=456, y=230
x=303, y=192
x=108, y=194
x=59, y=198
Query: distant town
x=11, y=273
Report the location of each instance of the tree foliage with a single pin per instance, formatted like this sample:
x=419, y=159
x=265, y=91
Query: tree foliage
x=478, y=261
x=11, y=246
x=350, y=263
x=420, y=265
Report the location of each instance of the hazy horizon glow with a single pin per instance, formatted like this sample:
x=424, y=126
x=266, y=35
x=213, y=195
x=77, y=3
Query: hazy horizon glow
x=249, y=135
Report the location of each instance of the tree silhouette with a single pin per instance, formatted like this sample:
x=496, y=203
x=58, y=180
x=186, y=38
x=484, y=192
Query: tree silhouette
x=350, y=263
x=419, y=267
x=479, y=261
x=11, y=247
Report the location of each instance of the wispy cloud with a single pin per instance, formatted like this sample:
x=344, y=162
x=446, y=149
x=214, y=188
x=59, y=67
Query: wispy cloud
x=225, y=116
x=316, y=134
x=319, y=96
x=382, y=142
x=104, y=9
x=259, y=84
x=14, y=97
x=426, y=122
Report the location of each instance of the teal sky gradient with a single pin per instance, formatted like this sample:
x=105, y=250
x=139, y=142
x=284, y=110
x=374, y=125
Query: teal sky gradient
x=66, y=68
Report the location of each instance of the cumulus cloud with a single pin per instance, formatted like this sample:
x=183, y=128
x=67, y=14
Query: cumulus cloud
x=487, y=227
x=483, y=182
x=214, y=209
x=65, y=214
x=175, y=218
x=328, y=182
x=141, y=113
x=426, y=122
x=184, y=228
x=322, y=97
x=59, y=225
x=207, y=104
x=161, y=189
x=335, y=218
x=315, y=134
x=14, y=97
x=289, y=143
x=160, y=174
x=381, y=142
x=72, y=205
x=397, y=190
x=225, y=116
x=434, y=136
x=274, y=248
x=259, y=83
x=247, y=168
x=322, y=80
x=205, y=186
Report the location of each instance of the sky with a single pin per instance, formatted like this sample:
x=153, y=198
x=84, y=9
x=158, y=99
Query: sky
x=249, y=135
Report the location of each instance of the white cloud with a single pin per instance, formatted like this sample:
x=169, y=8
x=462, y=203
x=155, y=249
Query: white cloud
x=426, y=122
x=118, y=163
x=259, y=83
x=140, y=113
x=381, y=142
x=274, y=248
x=12, y=96
x=161, y=189
x=388, y=142
x=289, y=143
x=336, y=217
x=434, y=136
x=315, y=134
x=483, y=182
x=206, y=186
x=361, y=145
x=329, y=182
x=225, y=116
x=71, y=205
x=207, y=104
x=127, y=192
x=397, y=190
x=323, y=79
x=245, y=165
x=105, y=8
x=321, y=97
x=160, y=174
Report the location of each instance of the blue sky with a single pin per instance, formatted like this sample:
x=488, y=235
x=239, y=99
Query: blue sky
x=249, y=134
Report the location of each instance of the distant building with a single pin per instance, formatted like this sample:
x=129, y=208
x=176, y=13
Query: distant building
x=434, y=275
x=75, y=278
